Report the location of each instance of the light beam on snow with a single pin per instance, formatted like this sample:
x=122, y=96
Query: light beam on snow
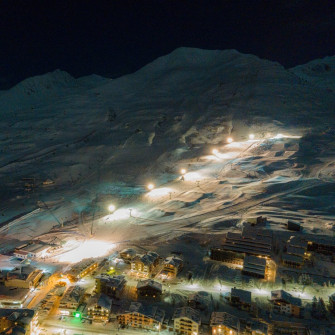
x=159, y=192
x=86, y=249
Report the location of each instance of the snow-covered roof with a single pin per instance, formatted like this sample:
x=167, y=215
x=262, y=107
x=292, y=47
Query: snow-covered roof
x=243, y=295
x=226, y=319
x=100, y=300
x=282, y=295
x=117, y=282
x=189, y=313
x=149, y=283
x=152, y=312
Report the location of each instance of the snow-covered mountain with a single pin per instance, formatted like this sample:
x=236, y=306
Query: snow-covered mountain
x=95, y=135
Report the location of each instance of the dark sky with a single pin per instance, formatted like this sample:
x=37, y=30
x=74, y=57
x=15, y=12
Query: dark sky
x=112, y=38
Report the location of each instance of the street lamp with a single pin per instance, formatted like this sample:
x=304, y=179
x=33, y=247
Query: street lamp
x=183, y=171
x=215, y=151
x=230, y=140
x=151, y=187
x=251, y=136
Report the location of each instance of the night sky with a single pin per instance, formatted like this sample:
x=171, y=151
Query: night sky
x=112, y=38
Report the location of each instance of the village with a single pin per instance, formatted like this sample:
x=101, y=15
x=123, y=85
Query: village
x=248, y=282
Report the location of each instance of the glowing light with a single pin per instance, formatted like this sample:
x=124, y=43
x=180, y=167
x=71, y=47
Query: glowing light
x=151, y=186
x=77, y=315
x=279, y=136
x=215, y=151
x=111, y=208
x=183, y=171
x=160, y=192
x=230, y=140
x=86, y=249
x=251, y=137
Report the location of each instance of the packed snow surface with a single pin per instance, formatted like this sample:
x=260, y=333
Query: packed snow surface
x=74, y=146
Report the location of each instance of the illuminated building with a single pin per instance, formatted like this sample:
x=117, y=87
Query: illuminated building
x=99, y=307
x=224, y=324
x=18, y=321
x=139, y=316
x=71, y=300
x=33, y=250
x=127, y=254
x=171, y=266
x=144, y=265
x=13, y=297
x=24, y=277
x=82, y=269
x=235, y=246
x=285, y=303
x=149, y=289
x=112, y=286
x=186, y=321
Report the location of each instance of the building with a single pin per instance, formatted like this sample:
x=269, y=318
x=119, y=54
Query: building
x=82, y=269
x=144, y=265
x=127, y=254
x=186, y=321
x=285, y=303
x=13, y=297
x=99, y=307
x=18, y=321
x=240, y=298
x=293, y=226
x=223, y=323
x=257, y=328
x=71, y=300
x=259, y=220
x=171, y=267
x=252, y=241
x=296, y=252
x=113, y=286
x=140, y=316
x=230, y=257
x=254, y=266
x=23, y=277
x=149, y=289
x=199, y=300
x=321, y=244
x=33, y=250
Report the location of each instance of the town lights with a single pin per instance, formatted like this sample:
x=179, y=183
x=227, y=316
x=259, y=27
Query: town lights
x=111, y=208
x=215, y=151
x=230, y=140
x=183, y=171
x=151, y=187
x=251, y=136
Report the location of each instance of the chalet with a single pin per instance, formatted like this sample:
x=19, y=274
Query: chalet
x=171, y=267
x=224, y=323
x=149, y=289
x=99, y=308
x=71, y=300
x=127, y=254
x=285, y=303
x=140, y=316
x=112, y=286
x=144, y=265
x=186, y=321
